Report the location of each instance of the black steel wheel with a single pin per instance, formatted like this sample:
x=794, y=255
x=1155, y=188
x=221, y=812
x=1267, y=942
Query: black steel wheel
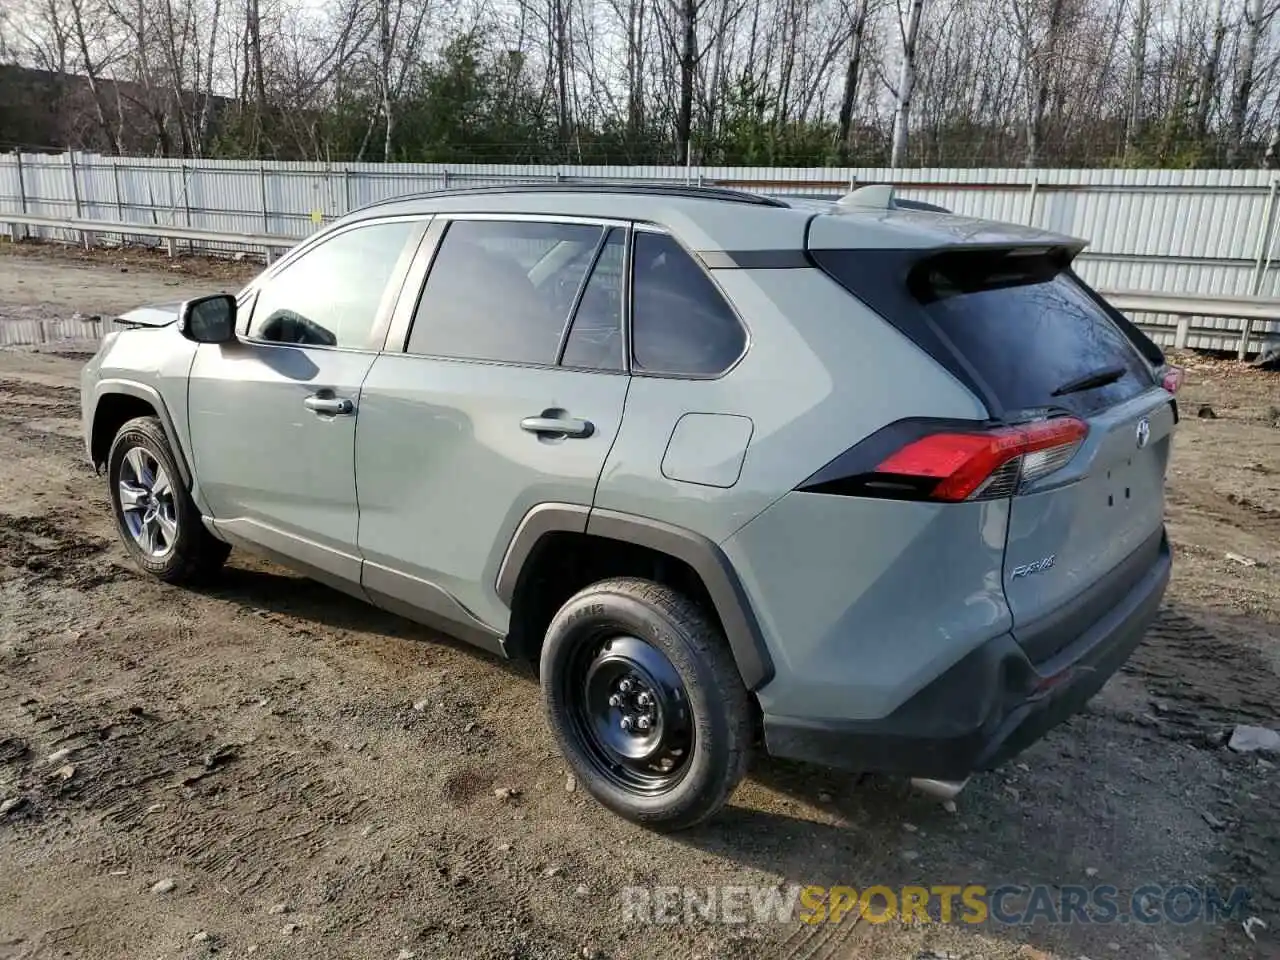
x=632, y=712
x=646, y=702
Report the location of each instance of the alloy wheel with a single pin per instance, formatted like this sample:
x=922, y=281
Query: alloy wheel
x=147, y=503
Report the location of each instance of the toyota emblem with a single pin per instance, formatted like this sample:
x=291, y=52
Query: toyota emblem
x=1144, y=432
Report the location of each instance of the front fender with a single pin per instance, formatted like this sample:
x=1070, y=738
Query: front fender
x=145, y=392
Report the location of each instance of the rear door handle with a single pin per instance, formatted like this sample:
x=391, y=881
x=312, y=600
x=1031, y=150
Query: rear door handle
x=333, y=406
x=558, y=426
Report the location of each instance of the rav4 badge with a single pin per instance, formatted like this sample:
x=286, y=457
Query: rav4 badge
x=1036, y=566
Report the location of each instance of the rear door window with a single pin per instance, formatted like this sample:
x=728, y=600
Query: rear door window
x=502, y=290
x=680, y=323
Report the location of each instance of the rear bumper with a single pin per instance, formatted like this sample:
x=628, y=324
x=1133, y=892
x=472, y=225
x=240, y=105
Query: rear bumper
x=989, y=706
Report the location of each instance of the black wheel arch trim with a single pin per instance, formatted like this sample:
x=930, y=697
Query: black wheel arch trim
x=140, y=391
x=704, y=557
x=541, y=520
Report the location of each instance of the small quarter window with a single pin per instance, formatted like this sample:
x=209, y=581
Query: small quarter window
x=680, y=324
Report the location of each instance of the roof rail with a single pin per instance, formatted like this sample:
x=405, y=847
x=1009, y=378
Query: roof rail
x=653, y=189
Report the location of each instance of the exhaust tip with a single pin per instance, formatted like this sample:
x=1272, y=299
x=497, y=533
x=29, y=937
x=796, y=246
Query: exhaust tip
x=940, y=789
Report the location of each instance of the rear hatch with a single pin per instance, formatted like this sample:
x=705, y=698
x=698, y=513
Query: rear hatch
x=1073, y=393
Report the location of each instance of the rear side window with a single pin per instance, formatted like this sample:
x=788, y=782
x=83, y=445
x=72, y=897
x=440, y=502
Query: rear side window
x=680, y=323
x=1028, y=330
x=502, y=290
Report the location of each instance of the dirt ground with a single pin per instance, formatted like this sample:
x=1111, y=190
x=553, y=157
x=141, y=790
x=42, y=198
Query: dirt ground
x=309, y=777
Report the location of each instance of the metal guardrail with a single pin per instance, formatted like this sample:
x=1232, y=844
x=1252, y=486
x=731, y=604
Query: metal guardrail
x=1195, y=304
x=271, y=244
x=1183, y=306
x=1186, y=306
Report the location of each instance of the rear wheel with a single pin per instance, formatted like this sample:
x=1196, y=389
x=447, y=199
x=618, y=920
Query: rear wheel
x=158, y=522
x=646, y=702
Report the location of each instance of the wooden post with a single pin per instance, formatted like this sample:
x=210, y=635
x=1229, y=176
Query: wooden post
x=262, y=188
x=22, y=199
x=75, y=187
x=86, y=239
x=186, y=203
x=115, y=180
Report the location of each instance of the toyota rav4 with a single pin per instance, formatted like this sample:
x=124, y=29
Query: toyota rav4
x=851, y=482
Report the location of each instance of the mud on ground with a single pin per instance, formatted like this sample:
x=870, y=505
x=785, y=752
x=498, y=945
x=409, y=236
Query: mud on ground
x=307, y=776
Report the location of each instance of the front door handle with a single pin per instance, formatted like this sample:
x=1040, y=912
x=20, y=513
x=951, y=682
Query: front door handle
x=333, y=406
x=558, y=426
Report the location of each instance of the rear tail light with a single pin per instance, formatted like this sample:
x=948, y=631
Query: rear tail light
x=1171, y=377
x=983, y=465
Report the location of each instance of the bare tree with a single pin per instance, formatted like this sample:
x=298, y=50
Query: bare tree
x=94, y=54
x=1039, y=25
x=906, y=82
x=1137, y=73
x=678, y=22
x=1257, y=17
x=858, y=12
x=1210, y=69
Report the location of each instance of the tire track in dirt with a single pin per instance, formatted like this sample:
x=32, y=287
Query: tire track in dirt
x=24, y=406
x=1231, y=509
x=826, y=941
x=40, y=550
x=1198, y=677
x=94, y=761
x=64, y=400
x=1203, y=687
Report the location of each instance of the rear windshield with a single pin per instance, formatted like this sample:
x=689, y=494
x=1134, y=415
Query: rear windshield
x=1024, y=328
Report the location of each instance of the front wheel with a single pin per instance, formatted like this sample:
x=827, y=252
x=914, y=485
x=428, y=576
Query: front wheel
x=158, y=522
x=646, y=703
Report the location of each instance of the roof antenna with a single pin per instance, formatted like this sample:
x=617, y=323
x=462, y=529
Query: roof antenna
x=874, y=196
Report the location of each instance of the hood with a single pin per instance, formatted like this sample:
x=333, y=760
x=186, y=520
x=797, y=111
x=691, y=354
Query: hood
x=155, y=315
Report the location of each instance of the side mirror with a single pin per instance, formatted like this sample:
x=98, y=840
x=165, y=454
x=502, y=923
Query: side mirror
x=209, y=319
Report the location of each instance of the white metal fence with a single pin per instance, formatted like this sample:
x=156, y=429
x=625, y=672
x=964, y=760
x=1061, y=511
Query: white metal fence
x=1205, y=232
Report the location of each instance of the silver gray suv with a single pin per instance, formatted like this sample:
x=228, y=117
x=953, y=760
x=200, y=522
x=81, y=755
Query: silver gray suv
x=853, y=483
